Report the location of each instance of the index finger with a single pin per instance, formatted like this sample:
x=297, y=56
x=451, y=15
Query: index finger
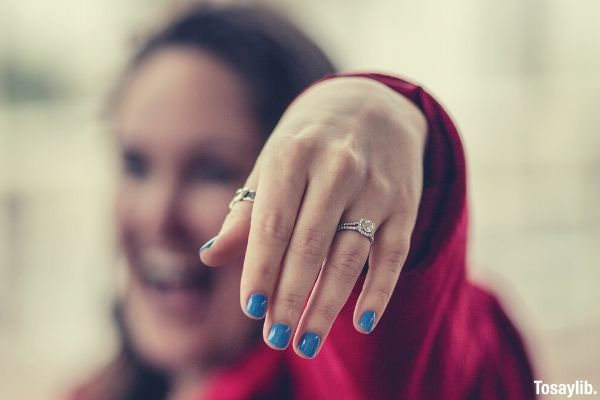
x=278, y=196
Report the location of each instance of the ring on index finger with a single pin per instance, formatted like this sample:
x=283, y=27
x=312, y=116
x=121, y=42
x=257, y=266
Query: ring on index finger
x=242, y=194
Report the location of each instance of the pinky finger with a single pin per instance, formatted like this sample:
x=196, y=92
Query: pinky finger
x=386, y=260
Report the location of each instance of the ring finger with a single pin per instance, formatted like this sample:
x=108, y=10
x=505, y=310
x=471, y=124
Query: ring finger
x=346, y=258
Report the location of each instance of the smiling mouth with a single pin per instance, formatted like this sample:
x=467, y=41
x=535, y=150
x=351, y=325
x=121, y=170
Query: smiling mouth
x=178, y=286
x=165, y=271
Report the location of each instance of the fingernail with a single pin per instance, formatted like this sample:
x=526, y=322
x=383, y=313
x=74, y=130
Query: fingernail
x=366, y=321
x=309, y=344
x=208, y=244
x=257, y=305
x=279, y=335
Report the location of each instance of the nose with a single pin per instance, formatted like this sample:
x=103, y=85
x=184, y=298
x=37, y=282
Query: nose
x=158, y=212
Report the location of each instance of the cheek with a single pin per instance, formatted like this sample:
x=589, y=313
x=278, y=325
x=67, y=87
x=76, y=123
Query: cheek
x=204, y=209
x=129, y=206
x=123, y=207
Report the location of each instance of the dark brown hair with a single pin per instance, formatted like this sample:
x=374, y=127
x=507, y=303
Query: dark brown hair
x=277, y=61
x=271, y=55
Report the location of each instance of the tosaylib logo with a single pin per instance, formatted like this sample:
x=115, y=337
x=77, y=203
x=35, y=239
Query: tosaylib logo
x=579, y=388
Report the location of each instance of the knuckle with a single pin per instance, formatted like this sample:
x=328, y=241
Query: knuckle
x=286, y=154
x=238, y=214
x=292, y=305
x=383, y=294
x=347, y=265
x=380, y=186
x=409, y=195
x=274, y=226
x=298, y=147
x=265, y=273
x=393, y=260
x=346, y=163
x=309, y=244
x=327, y=313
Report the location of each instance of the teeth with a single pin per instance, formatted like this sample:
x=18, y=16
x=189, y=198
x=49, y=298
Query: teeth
x=167, y=269
x=163, y=274
x=159, y=256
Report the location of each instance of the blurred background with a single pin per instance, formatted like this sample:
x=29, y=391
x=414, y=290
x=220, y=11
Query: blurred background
x=519, y=77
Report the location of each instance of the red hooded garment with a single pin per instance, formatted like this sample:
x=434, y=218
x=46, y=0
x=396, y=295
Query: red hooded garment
x=440, y=338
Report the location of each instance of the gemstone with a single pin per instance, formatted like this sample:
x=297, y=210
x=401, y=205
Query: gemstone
x=367, y=225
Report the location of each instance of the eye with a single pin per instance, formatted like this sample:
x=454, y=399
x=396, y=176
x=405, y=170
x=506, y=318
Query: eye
x=210, y=170
x=135, y=164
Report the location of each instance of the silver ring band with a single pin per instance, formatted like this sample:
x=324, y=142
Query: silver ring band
x=364, y=226
x=242, y=194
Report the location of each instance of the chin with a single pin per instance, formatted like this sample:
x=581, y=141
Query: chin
x=167, y=342
x=180, y=313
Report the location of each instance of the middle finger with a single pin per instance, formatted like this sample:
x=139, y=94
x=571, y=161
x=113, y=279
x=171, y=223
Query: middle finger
x=313, y=233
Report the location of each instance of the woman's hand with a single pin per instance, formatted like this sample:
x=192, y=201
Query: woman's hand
x=347, y=148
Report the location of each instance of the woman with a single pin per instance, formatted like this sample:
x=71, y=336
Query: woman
x=376, y=309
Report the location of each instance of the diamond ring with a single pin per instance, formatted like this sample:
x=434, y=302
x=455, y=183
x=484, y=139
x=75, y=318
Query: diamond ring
x=364, y=226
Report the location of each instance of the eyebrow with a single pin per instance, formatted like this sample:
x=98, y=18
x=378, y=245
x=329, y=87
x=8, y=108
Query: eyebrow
x=219, y=146
x=213, y=140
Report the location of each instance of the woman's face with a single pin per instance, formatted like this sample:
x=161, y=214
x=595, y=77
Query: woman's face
x=187, y=140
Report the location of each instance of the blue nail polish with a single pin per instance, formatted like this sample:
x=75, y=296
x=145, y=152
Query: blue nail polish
x=279, y=336
x=257, y=305
x=366, y=321
x=208, y=244
x=309, y=344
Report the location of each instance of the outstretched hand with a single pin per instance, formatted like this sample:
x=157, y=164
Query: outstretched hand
x=347, y=148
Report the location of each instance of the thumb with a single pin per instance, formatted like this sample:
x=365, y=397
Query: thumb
x=231, y=241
